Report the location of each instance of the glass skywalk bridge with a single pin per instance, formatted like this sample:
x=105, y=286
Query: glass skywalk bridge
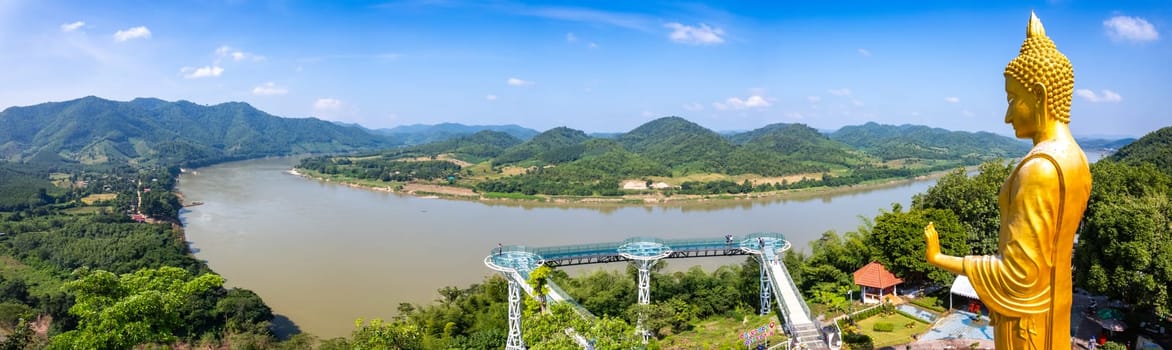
x=517, y=261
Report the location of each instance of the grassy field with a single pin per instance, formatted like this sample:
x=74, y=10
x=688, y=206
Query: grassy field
x=720, y=333
x=85, y=210
x=94, y=198
x=60, y=180
x=901, y=335
x=39, y=282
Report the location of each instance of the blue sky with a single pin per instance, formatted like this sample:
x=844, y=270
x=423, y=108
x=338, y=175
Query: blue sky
x=594, y=66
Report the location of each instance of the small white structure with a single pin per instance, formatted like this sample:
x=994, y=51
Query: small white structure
x=634, y=185
x=962, y=287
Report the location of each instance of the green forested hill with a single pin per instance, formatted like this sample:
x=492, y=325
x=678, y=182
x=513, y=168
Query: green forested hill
x=473, y=148
x=799, y=142
x=557, y=145
x=679, y=144
x=1155, y=148
x=916, y=141
x=92, y=130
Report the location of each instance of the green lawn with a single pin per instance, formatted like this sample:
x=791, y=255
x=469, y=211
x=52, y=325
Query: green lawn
x=901, y=335
x=85, y=210
x=720, y=333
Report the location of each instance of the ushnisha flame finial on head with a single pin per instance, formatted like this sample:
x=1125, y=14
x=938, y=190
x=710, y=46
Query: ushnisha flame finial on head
x=1039, y=63
x=1034, y=28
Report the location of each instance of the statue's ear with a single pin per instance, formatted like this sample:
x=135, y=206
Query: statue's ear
x=1039, y=90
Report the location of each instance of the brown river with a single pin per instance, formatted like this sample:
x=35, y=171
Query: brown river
x=323, y=254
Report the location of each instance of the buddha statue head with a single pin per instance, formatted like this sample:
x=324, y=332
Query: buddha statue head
x=1039, y=82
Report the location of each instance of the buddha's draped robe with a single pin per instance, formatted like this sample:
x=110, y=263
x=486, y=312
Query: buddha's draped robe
x=1027, y=288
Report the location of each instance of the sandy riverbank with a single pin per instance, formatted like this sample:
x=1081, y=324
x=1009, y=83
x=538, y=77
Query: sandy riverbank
x=427, y=190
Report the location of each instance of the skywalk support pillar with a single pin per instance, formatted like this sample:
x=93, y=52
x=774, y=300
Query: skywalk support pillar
x=766, y=289
x=508, y=262
x=645, y=281
x=644, y=295
x=514, y=342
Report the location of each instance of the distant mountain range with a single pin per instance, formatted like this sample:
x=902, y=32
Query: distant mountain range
x=418, y=134
x=916, y=141
x=1103, y=144
x=92, y=130
x=674, y=145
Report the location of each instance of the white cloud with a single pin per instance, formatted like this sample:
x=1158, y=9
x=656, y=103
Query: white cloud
x=794, y=115
x=755, y=101
x=967, y=113
x=140, y=32
x=694, y=107
x=648, y=114
x=951, y=99
x=519, y=82
x=1106, y=96
x=702, y=35
x=327, y=104
x=201, y=72
x=237, y=55
x=840, y=92
x=69, y=27
x=592, y=45
x=269, y=89
x=570, y=37
x=814, y=99
x=490, y=97
x=1133, y=29
x=575, y=14
x=864, y=52
x=857, y=102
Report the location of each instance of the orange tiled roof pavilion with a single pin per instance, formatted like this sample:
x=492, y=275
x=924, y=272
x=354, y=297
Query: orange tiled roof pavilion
x=876, y=281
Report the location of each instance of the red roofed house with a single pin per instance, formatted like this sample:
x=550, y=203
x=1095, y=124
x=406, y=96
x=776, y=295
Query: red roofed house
x=876, y=282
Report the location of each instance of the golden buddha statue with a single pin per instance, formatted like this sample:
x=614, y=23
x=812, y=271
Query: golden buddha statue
x=1027, y=287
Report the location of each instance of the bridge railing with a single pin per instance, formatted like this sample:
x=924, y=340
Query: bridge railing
x=581, y=310
x=801, y=300
x=696, y=244
x=766, y=235
x=644, y=239
x=556, y=252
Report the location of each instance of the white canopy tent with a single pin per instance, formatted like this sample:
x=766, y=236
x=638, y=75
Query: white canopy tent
x=961, y=286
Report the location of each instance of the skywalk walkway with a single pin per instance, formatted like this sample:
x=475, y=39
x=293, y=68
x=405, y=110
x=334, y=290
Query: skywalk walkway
x=516, y=262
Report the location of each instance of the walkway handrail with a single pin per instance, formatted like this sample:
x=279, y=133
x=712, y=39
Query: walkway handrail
x=643, y=239
x=801, y=299
x=581, y=310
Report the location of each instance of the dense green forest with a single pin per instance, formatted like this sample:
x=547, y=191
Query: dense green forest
x=89, y=277
x=92, y=130
x=567, y=162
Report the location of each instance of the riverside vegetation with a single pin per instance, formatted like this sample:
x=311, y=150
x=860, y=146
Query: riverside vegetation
x=76, y=272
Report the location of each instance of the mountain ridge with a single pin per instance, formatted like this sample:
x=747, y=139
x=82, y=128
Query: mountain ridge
x=92, y=130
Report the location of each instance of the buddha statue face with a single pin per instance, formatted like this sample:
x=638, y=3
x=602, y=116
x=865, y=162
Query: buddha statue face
x=1025, y=112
